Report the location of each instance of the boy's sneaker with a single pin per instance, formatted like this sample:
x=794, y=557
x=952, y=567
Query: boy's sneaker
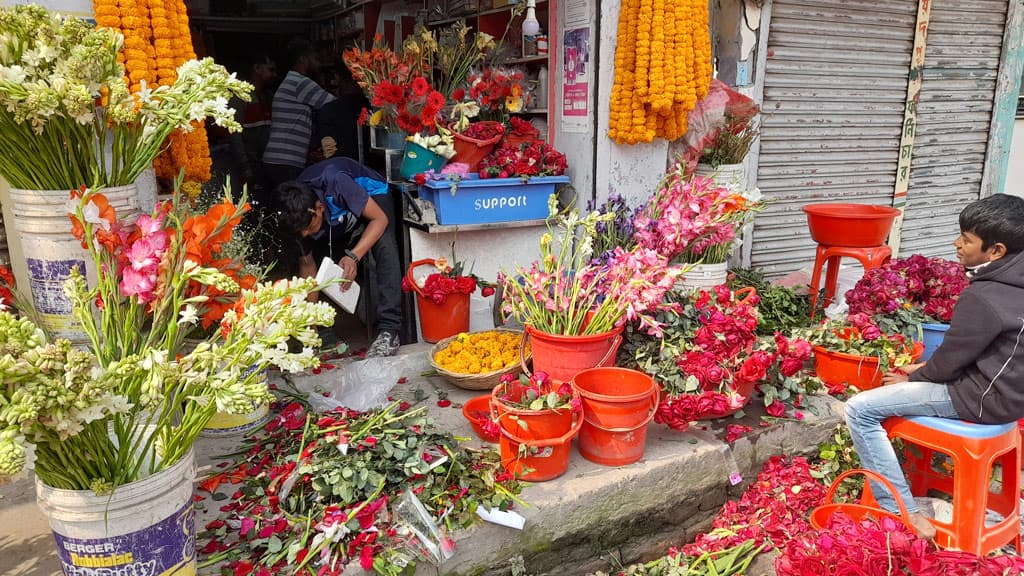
x=386, y=344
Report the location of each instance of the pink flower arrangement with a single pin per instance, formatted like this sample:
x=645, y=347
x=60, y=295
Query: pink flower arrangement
x=903, y=293
x=693, y=220
x=139, y=277
x=567, y=293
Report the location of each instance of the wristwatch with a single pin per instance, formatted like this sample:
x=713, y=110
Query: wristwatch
x=352, y=255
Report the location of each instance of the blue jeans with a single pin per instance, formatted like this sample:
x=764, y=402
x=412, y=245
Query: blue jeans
x=864, y=415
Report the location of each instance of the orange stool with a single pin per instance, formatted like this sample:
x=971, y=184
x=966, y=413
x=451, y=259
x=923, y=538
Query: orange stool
x=975, y=449
x=870, y=257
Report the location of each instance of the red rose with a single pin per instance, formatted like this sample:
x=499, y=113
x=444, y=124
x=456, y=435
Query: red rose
x=776, y=408
x=487, y=291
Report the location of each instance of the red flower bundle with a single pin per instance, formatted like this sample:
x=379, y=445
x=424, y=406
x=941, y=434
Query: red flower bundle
x=447, y=280
x=414, y=104
x=493, y=86
x=534, y=159
x=6, y=287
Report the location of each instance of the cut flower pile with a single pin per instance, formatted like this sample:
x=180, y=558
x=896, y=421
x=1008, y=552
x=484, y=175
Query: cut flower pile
x=318, y=492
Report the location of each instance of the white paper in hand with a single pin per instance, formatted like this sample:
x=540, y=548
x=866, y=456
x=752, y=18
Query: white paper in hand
x=346, y=299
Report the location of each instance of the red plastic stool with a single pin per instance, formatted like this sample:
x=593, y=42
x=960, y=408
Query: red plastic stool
x=975, y=449
x=871, y=257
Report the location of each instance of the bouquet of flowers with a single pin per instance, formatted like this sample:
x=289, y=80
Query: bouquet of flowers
x=721, y=128
x=67, y=115
x=441, y=143
x=537, y=392
x=413, y=105
x=498, y=91
x=448, y=55
x=904, y=293
x=860, y=336
x=449, y=279
x=618, y=232
x=380, y=64
x=565, y=293
x=709, y=359
x=520, y=129
x=132, y=404
x=534, y=159
x=693, y=220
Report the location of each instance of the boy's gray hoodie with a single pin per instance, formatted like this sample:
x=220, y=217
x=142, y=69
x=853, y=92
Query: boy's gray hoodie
x=981, y=358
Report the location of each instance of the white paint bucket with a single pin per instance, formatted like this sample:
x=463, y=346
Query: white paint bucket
x=705, y=276
x=731, y=176
x=146, y=527
x=51, y=252
x=223, y=424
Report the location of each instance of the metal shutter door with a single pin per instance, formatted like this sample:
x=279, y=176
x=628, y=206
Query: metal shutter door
x=834, y=91
x=964, y=43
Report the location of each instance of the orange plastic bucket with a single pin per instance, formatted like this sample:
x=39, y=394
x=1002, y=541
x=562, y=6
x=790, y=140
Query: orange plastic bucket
x=439, y=321
x=819, y=516
x=618, y=404
x=471, y=150
x=862, y=372
x=545, y=437
x=851, y=225
x=476, y=410
x=562, y=357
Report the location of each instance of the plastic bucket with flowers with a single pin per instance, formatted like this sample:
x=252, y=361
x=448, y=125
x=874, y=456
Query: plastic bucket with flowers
x=861, y=372
x=538, y=420
x=563, y=356
x=866, y=508
x=476, y=142
x=418, y=160
x=442, y=312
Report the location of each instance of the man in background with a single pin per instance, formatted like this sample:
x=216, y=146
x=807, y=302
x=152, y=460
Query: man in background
x=248, y=145
x=295, y=101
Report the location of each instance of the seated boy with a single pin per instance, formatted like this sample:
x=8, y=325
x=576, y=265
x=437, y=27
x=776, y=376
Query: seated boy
x=341, y=209
x=977, y=374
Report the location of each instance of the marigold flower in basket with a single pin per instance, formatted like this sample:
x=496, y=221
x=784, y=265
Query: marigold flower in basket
x=480, y=352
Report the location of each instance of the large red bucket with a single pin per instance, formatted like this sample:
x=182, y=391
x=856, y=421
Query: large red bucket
x=867, y=506
x=562, y=357
x=471, y=150
x=535, y=445
x=618, y=404
x=439, y=321
x=861, y=372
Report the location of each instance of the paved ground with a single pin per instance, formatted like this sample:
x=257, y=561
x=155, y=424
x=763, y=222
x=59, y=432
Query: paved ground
x=591, y=516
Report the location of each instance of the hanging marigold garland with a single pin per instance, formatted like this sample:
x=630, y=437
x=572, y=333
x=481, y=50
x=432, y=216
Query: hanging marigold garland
x=662, y=67
x=157, y=41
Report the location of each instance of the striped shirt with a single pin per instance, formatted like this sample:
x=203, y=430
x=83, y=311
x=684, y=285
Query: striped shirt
x=292, y=124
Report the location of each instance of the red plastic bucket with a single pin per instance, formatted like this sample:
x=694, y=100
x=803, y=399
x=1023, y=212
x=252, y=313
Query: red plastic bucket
x=544, y=435
x=470, y=150
x=562, y=357
x=439, y=321
x=475, y=410
x=851, y=225
x=819, y=516
x=618, y=404
x=862, y=372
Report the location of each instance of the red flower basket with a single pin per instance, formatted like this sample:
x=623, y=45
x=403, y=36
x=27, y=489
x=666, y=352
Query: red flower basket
x=471, y=151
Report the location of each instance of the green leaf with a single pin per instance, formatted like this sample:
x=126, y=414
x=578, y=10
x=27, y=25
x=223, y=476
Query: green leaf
x=218, y=496
x=274, y=545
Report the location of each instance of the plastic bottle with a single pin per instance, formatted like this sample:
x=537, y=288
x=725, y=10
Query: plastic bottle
x=542, y=88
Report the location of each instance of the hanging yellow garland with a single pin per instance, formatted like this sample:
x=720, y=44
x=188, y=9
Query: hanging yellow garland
x=662, y=67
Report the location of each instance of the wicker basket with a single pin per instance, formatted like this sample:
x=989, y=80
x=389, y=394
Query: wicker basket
x=482, y=381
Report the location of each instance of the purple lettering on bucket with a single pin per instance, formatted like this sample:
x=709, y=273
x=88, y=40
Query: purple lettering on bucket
x=46, y=280
x=167, y=548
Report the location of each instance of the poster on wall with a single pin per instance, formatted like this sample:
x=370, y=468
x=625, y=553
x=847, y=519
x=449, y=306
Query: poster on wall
x=576, y=80
x=577, y=12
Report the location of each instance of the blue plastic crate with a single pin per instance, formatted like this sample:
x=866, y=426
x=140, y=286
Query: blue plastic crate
x=481, y=201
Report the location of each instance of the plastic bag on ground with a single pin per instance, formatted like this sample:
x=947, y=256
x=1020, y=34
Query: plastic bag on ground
x=424, y=536
x=364, y=384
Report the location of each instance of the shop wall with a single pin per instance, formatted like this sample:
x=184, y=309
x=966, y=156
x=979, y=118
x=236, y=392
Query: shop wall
x=70, y=7
x=632, y=171
x=576, y=136
x=1015, y=168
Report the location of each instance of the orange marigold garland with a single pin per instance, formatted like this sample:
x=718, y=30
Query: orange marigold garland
x=662, y=67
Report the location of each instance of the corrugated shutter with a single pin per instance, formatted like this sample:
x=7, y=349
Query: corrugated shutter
x=834, y=91
x=965, y=40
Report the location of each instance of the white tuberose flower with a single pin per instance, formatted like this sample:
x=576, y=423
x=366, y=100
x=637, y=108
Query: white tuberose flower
x=188, y=316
